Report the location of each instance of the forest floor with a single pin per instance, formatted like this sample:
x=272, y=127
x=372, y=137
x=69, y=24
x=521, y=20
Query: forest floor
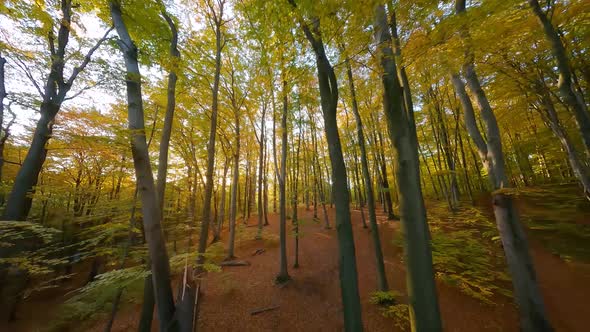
x=311, y=300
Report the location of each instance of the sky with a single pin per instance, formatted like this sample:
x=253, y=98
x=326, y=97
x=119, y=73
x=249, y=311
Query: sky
x=92, y=28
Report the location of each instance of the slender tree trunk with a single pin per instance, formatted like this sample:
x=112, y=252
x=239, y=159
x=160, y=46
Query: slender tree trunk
x=381, y=276
x=261, y=174
x=221, y=214
x=151, y=215
x=526, y=290
x=565, y=74
x=320, y=180
x=234, y=188
x=206, y=216
x=551, y=118
x=295, y=198
x=283, y=271
x=384, y=179
x=424, y=309
x=168, y=119
x=265, y=187
x=328, y=86
x=163, y=162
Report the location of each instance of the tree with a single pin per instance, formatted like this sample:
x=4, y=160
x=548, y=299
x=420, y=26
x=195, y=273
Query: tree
x=143, y=170
x=215, y=13
x=54, y=94
x=576, y=102
x=421, y=288
x=526, y=289
x=328, y=87
x=148, y=303
x=381, y=277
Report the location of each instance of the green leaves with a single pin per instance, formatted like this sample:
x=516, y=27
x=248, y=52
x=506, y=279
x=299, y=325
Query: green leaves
x=465, y=253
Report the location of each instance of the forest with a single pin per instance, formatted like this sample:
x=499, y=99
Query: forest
x=294, y=165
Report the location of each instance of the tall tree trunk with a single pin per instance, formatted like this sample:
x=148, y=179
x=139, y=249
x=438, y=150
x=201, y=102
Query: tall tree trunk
x=384, y=178
x=261, y=174
x=526, y=290
x=328, y=86
x=148, y=300
x=169, y=117
x=320, y=178
x=425, y=315
x=221, y=215
x=151, y=215
x=283, y=272
x=565, y=74
x=5, y=133
x=295, y=197
x=206, y=215
x=549, y=114
x=233, y=210
x=381, y=276
x=265, y=189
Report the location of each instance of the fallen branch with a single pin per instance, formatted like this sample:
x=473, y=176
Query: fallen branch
x=257, y=311
x=235, y=263
x=258, y=251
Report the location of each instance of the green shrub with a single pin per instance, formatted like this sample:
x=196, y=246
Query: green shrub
x=384, y=299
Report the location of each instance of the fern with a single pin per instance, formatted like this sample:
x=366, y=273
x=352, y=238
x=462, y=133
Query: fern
x=382, y=298
x=400, y=315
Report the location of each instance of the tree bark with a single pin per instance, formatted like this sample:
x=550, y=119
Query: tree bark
x=381, y=276
x=261, y=174
x=206, y=215
x=425, y=315
x=148, y=303
x=328, y=86
x=151, y=215
x=526, y=290
x=565, y=74
x=282, y=176
x=233, y=211
x=169, y=117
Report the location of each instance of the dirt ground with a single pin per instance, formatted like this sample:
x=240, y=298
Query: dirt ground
x=311, y=300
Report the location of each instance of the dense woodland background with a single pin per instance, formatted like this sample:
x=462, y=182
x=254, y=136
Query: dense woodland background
x=457, y=132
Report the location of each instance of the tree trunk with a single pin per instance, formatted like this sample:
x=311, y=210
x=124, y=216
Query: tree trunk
x=283, y=272
x=261, y=174
x=221, y=214
x=328, y=86
x=20, y=200
x=424, y=308
x=146, y=322
x=169, y=117
x=233, y=210
x=565, y=74
x=381, y=276
x=206, y=215
x=295, y=198
x=526, y=290
x=145, y=181
x=551, y=118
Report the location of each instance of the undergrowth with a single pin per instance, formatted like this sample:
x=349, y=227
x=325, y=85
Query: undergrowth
x=391, y=307
x=466, y=252
x=400, y=314
x=383, y=298
x=559, y=223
